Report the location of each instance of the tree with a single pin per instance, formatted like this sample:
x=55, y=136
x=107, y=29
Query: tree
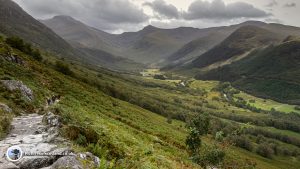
x=206, y=156
x=193, y=141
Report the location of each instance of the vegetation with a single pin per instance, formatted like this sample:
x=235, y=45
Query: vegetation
x=18, y=43
x=263, y=68
x=118, y=118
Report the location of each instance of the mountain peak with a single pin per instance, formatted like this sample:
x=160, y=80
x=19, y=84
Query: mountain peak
x=150, y=28
x=64, y=17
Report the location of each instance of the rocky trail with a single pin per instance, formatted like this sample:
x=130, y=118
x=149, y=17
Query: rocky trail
x=42, y=147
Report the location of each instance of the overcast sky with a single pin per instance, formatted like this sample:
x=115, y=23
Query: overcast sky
x=117, y=16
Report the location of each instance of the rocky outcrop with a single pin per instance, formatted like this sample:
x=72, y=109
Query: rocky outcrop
x=18, y=85
x=14, y=59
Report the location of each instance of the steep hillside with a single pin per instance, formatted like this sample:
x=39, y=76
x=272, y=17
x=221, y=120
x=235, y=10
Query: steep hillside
x=193, y=49
x=272, y=72
x=239, y=42
x=16, y=22
x=76, y=32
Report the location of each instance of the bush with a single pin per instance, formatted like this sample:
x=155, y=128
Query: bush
x=265, y=150
x=297, y=108
x=18, y=43
x=160, y=77
x=210, y=156
x=63, y=68
x=242, y=142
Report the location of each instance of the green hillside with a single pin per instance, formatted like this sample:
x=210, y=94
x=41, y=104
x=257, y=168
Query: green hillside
x=239, y=42
x=272, y=72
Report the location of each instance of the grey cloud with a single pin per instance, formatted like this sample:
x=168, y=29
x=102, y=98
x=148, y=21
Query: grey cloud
x=163, y=9
x=105, y=14
x=290, y=5
x=217, y=9
x=272, y=3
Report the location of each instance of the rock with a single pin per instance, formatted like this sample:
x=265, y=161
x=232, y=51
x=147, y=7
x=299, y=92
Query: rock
x=35, y=162
x=14, y=58
x=69, y=162
x=52, y=120
x=5, y=108
x=90, y=157
x=18, y=85
x=8, y=165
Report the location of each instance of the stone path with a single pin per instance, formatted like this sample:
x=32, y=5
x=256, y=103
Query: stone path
x=32, y=135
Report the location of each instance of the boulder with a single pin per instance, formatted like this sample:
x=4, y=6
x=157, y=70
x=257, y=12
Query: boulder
x=18, y=85
x=52, y=120
x=70, y=162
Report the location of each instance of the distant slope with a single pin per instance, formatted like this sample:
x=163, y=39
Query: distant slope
x=107, y=60
x=149, y=45
x=16, y=22
x=76, y=32
x=273, y=72
x=193, y=49
x=239, y=42
x=214, y=36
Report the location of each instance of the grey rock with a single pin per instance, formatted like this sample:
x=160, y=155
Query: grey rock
x=90, y=157
x=8, y=165
x=14, y=58
x=52, y=120
x=35, y=162
x=70, y=162
x=18, y=85
x=5, y=108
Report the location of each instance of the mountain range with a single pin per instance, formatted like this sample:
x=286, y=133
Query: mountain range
x=185, y=49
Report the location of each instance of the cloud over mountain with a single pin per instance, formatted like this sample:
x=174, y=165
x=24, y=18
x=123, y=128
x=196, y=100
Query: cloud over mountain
x=217, y=9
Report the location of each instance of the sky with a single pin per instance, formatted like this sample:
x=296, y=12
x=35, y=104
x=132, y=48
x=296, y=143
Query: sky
x=117, y=16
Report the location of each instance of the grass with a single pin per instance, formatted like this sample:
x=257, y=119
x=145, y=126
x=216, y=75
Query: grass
x=267, y=104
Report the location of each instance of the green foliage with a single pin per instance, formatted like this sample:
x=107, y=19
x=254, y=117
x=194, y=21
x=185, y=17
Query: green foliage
x=265, y=150
x=81, y=140
x=201, y=124
x=210, y=156
x=18, y=43
x=5, y=120
x=63, y=68
x=160, y=77
x=193, y=141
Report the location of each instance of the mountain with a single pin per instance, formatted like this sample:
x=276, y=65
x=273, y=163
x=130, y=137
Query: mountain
x=238, y=43
x=149, y=45
x=75, y=32
x=193, y=49
x=16, y=22
x=272, y=72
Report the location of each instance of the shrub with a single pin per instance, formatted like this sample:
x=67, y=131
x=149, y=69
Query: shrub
x=297, y=108
x=210, y=156
x=16, y=42
x=243, y=142
x=63, y=68
x=81, y=140
x=160, y=77
x=265, y=150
